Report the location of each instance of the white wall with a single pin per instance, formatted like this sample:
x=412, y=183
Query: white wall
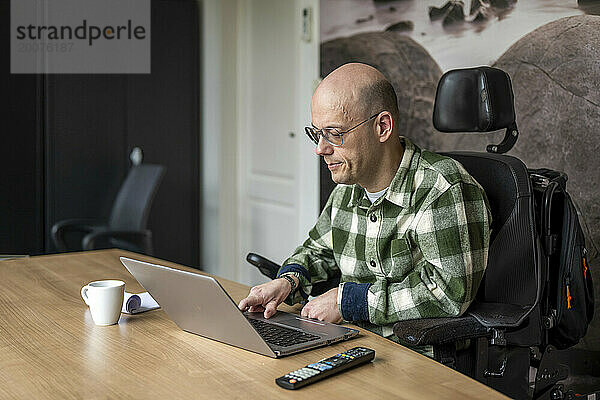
x=219, y=127
x=310, y=71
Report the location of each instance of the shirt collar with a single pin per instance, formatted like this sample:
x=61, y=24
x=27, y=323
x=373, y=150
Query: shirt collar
x=400, y=190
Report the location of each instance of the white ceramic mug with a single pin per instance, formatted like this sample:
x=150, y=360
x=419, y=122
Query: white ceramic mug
x=105, y=299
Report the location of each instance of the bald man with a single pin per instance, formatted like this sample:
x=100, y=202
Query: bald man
x=408, y=229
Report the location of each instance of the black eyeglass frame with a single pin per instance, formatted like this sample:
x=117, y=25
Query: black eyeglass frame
x=314, y=137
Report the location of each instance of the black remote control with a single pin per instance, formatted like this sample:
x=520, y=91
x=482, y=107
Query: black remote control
x=326, y=367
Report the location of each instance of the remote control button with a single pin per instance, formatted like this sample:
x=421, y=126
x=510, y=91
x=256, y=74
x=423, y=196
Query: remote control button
x=293, y=381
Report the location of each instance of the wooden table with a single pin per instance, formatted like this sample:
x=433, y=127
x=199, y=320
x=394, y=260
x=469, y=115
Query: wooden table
x=50, y=348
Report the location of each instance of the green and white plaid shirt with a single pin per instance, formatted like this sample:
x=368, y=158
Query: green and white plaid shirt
x=419, y=251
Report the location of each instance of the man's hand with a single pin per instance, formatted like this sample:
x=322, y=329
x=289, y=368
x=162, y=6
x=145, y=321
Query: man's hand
x=266, y=297
x=324, y=307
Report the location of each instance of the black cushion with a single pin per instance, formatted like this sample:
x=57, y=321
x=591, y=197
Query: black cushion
x=474, y=100
x=438, y=330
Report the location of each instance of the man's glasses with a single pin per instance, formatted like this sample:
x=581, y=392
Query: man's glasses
x=333, y=136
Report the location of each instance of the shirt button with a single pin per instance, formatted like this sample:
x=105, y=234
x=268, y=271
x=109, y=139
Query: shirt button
x=373, y=218
x=373, y=264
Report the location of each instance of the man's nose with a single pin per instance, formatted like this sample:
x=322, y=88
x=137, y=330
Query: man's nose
x=324, y=147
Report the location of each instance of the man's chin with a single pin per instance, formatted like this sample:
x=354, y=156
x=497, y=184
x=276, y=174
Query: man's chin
x=340, y=179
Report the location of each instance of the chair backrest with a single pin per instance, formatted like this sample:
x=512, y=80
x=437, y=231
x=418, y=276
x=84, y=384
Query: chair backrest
x=481, y=100
x=512, y=273
x=132, y=204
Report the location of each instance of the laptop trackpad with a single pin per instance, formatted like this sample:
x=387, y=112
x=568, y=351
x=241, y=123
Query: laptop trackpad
x=306, y=324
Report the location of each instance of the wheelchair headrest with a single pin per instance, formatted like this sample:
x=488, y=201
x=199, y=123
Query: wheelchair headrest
x=474, y=100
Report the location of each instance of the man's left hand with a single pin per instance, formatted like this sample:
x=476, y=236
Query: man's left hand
x=324, y=307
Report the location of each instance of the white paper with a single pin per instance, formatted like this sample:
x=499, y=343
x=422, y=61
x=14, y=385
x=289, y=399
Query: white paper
x=135, y=303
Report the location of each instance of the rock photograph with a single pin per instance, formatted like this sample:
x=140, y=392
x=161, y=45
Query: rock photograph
x=550, y=49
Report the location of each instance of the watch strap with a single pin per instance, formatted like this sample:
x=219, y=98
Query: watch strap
x=291, y=281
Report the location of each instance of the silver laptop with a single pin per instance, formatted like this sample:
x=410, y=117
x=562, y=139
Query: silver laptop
x=199, y=304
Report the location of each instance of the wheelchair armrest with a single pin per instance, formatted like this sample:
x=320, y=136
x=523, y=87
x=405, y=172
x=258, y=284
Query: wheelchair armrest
x=438, y=330
x=140, y=240
x=480, y=319
x=499, y=315
x=61, y=228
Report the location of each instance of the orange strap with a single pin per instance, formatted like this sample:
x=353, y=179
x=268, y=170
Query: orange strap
x=568, y=297
x=585, y=268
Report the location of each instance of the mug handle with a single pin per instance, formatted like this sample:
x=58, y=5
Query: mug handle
x=84, y=295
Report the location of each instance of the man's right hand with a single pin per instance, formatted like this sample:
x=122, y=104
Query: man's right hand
x=267, y=297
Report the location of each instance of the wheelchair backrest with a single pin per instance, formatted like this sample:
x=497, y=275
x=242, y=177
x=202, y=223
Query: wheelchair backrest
x=481, y=100
x=512, y=275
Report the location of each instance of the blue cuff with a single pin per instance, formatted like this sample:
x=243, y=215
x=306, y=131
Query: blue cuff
x=354, y=301
x=295, y=268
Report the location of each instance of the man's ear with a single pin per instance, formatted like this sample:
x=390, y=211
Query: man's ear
x=385, y=123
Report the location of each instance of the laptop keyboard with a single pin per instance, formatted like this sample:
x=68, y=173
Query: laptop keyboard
x=280, y=336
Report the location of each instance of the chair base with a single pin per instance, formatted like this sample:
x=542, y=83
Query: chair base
x=567, y=374
x=526, y=372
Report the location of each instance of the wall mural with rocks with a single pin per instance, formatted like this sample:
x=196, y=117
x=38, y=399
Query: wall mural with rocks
x=550, y=48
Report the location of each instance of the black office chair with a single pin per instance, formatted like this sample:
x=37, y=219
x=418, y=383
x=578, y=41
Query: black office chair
x=502, y=339
x=126, y=228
